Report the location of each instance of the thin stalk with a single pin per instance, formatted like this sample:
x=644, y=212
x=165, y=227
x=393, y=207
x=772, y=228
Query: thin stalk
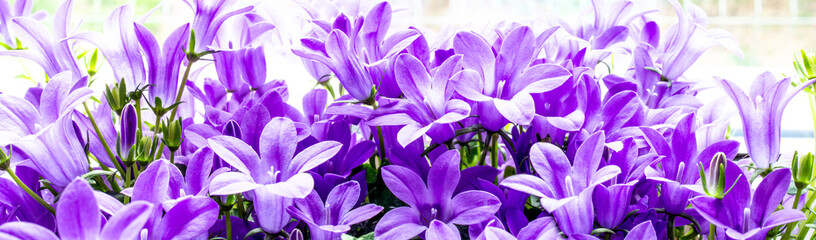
x=228, y=219
x=138, y=106
x=119, y=168
x=127, y=183
x=30, y=193
x=670, y=227
x=135, y=171
x=712, y=232
x=485, y=150
x=381, y=147
x=812, y=102
x=804, y=231
x=156, y=153
x=178, y=98
x=172, y=157
x=790, y=227
x=241, y=210
x=494, y=151
x=801, y=235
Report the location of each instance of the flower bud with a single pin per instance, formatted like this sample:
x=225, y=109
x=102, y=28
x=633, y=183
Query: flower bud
x=128, y=126
x=172, y=134
x=142, y=151
x=117, y=96
x=802, y=170
x=714, y=181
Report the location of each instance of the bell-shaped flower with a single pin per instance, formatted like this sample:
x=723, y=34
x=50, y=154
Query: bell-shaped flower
x=566, y=190
x=57, y=152
x=275, y=175
x=432, y=206
x=21, y=8
x=359, y=53
x=49, y=50
x=332, y=219
x=744, y=214
x=120, y=47
x=429, y=108
x=501, y=85
x=209, y=16
x=761, y=112
x=163, y=64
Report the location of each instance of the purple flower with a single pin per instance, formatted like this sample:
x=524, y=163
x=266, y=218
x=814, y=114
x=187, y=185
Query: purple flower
x=120, y=47
x=21, y=8
x=128, y=129
x=332, y=219
x=566, y=190
x=432, y=208
x=79, y=217
x=688, y=40
x=17, y=205
x=746, y=215
x=761, y=113
x=275, y=175
x=51, y=51
x=209, y=16
x=163, y=65
x=429, y=107
x=501, y=85
x=359, y=53
x=57, y=152
x=680, y=161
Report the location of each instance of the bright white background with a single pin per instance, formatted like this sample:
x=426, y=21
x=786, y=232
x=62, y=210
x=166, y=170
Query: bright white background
x=769, y=31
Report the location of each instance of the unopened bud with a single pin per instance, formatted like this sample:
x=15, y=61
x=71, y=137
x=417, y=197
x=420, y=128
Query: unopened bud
x=117, y=96
x=714, y=181
x=172, y=134
x=802, y=170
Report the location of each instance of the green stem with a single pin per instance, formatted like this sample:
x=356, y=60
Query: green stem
x=804, y=231
x=812, y=102
x=790, y=227
x=712, y=232
x=127, y=183
x=156, y=153
x=241, y=210
x=30, y=193
x=172, y=157
x=670, y=227
x=228, y=219
x=494, y=151
x=119, y=168
x=138, y=106
x=178, y=98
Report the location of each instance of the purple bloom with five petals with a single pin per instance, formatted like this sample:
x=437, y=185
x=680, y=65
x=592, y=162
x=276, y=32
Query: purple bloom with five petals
x=432, y=208
x=501, y=85
x=429, y=108
x=566, y=190
x=275, y=175
x=332, y=219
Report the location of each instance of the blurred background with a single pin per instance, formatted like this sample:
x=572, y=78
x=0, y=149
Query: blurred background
x=770, y=32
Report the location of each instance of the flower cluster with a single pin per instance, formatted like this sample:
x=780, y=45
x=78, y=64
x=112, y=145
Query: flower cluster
x=520, y=131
